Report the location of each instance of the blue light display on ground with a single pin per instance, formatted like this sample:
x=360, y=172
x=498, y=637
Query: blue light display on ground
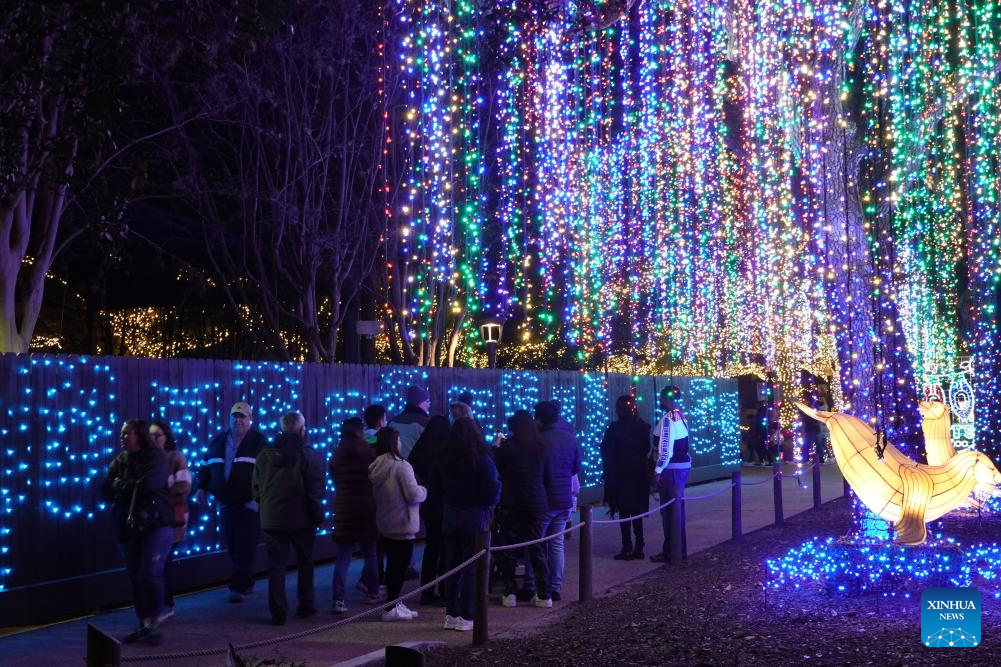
x=852, y=566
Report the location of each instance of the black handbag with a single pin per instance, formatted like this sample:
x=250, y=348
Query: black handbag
x=141, y=519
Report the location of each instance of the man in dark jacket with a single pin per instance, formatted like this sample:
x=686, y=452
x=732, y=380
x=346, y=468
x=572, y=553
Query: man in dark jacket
x=226, y=473
x=625, y=450
x=289, y=485
x=524, y=504
x=411, y=422
x=562, y=463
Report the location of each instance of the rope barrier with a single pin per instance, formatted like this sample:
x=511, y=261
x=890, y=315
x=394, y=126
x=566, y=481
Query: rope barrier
x=710, y=495
x=759, y=482
x=519, y=545
x=311, y=631
x=630, y=518
x=378, y=608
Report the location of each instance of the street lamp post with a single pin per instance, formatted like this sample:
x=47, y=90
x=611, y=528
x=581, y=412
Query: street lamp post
x=491, y=330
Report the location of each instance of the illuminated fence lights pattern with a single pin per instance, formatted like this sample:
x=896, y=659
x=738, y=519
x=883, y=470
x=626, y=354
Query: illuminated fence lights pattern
x=76, y=416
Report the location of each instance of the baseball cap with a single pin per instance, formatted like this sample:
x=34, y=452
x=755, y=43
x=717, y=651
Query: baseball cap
x=241, y=407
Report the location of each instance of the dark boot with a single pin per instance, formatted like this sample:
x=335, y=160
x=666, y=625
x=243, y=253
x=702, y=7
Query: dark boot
x=627, y=542
x=638, y=529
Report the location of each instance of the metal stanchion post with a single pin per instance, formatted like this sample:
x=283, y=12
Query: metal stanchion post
x=586, y=578
x=735, y=518
x=481, y=631
x=777, y=491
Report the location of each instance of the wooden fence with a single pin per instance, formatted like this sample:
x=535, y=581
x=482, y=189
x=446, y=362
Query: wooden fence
x=60, y=417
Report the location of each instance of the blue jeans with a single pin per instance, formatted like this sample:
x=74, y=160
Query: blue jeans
x=460, y=587
x=241, y=526
x=370, y=573
x=553, y=522
x=145, y=559
x=668, y=485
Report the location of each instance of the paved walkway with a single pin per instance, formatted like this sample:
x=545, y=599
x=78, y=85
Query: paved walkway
x=206, y=620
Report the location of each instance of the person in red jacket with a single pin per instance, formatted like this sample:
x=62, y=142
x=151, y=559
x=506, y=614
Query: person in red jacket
x=354, y=511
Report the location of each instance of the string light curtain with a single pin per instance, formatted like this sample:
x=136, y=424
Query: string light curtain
x=801, y=184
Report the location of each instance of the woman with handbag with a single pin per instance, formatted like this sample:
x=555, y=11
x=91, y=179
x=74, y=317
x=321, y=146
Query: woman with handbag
x=137, y=486
x=178, y=487
x=397, y=499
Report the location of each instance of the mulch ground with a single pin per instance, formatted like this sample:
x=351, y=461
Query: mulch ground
x=713, y=610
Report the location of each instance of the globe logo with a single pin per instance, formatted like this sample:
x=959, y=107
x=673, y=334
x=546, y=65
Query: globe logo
x=951, y=637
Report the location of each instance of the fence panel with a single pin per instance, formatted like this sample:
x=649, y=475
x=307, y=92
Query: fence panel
x=60, y=417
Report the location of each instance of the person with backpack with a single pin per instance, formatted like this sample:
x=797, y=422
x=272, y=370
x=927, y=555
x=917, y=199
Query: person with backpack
x=288, y=483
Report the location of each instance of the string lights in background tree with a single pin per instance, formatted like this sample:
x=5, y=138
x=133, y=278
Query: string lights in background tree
x=703, y=188
x=980, y=33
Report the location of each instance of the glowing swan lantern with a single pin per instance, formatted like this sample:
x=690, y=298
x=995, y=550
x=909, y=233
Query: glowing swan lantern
x=936, y=423
x=898, y=489
x=937, y=426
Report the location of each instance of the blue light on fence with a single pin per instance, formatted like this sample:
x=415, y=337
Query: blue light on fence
x=59, y=441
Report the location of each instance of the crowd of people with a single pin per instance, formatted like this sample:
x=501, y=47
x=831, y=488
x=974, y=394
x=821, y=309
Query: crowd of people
x=393, y=480
x=763, y=439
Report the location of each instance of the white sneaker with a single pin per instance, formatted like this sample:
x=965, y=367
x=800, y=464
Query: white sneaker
x=407, y=610
x=450, y=622
x=510, y=600
x=544, y=603
x=396, y=614
x=165, y=614
x=462, y=625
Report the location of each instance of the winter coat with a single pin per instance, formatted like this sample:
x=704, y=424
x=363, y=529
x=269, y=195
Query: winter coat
x=410, y=424
x=145, y=473
x=522, y=472
x=212, y=475
x=397, y=497
x=179, y=488
x=624, y=451
x=424, y=458
x=289, y=483
x=469, y=493
x=562, y=463
x=354, y=504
